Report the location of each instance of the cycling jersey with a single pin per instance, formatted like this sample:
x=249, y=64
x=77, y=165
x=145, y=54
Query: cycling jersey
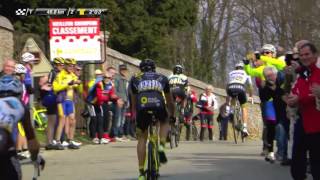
x=178, y=84
x=62, y=88
x=239, y=77
x=149, y=88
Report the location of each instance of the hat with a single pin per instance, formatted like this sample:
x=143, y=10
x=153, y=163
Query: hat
x=123, y=67
x=28, y=57
x=97, y=72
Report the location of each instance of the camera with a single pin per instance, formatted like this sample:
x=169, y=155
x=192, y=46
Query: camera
x=288, y=58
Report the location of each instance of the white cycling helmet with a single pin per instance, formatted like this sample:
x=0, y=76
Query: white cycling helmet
x=239, y=64
x=20, y=69
x=269, y=47
x=28, y=57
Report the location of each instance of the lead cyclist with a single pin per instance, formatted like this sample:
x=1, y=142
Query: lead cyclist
x=11, y=111
x=238, y=82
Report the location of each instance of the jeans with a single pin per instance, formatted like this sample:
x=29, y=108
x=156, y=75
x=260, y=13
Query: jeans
x=282, y=141
x=118, y=121
x=223, y=126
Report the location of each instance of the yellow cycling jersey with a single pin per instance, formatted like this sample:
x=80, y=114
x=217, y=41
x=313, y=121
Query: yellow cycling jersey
x=61, y=84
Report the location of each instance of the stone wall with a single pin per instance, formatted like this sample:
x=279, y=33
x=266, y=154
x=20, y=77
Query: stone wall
x=6, y=39
x=114, y=59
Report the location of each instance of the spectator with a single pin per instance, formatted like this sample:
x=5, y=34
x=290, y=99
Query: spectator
x=21, y=145
x=207, y=104
x=188, y=110
x=121, y=84
x=225, y=115
x=305, y=94
x=64, y=86
x=104, y=92
x=48, y=100
x=272, y=88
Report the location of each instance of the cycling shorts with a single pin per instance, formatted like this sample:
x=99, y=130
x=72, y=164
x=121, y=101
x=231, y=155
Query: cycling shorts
x=144, y=118
x=237, y=90
x=66, y=108
x=178, y=92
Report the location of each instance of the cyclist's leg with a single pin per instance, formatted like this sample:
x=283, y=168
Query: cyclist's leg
x=72, y=121
x=51, y=113
x=62, y=121
x=142, y=136
x=243, y=102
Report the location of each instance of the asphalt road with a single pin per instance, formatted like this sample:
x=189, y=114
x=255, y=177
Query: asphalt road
x=191, y=160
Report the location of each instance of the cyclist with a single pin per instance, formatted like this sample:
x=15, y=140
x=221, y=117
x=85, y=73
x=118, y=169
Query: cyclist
x=238, y=82
x=64, y=86
x=48, y=100
x=178, y=86
x=150, y=95
x=11, y=111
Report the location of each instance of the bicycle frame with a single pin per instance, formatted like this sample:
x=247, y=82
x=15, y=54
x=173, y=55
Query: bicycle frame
x=36, y=117
x=237, y=119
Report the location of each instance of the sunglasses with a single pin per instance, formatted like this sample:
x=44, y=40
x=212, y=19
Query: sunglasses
x=267, y=52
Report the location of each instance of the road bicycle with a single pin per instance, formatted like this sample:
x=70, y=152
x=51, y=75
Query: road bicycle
x=40, y=118
x=237, y=120
x=193, y=129
x=175, y=127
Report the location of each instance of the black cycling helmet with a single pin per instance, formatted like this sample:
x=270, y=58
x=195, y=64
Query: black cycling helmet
x=147, y=65
x=178, y=69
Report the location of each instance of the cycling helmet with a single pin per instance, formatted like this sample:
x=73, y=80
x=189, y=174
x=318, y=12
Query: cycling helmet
x=178, y=69
x=20, y=69
x=28, y=57
x=239, y=65
x=70, y=61
x=269, y=47
x=10, y=84
x=147, y=65
x=58, y=60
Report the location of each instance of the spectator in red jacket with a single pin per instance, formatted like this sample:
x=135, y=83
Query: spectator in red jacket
x=105, y=92
x=305, y=95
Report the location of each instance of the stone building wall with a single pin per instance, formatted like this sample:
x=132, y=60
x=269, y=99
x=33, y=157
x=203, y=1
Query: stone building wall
x=6, y=39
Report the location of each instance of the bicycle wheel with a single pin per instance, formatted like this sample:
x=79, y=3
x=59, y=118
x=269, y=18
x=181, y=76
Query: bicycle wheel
x=234, y=132
x=151, y=172
x=172, y=136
